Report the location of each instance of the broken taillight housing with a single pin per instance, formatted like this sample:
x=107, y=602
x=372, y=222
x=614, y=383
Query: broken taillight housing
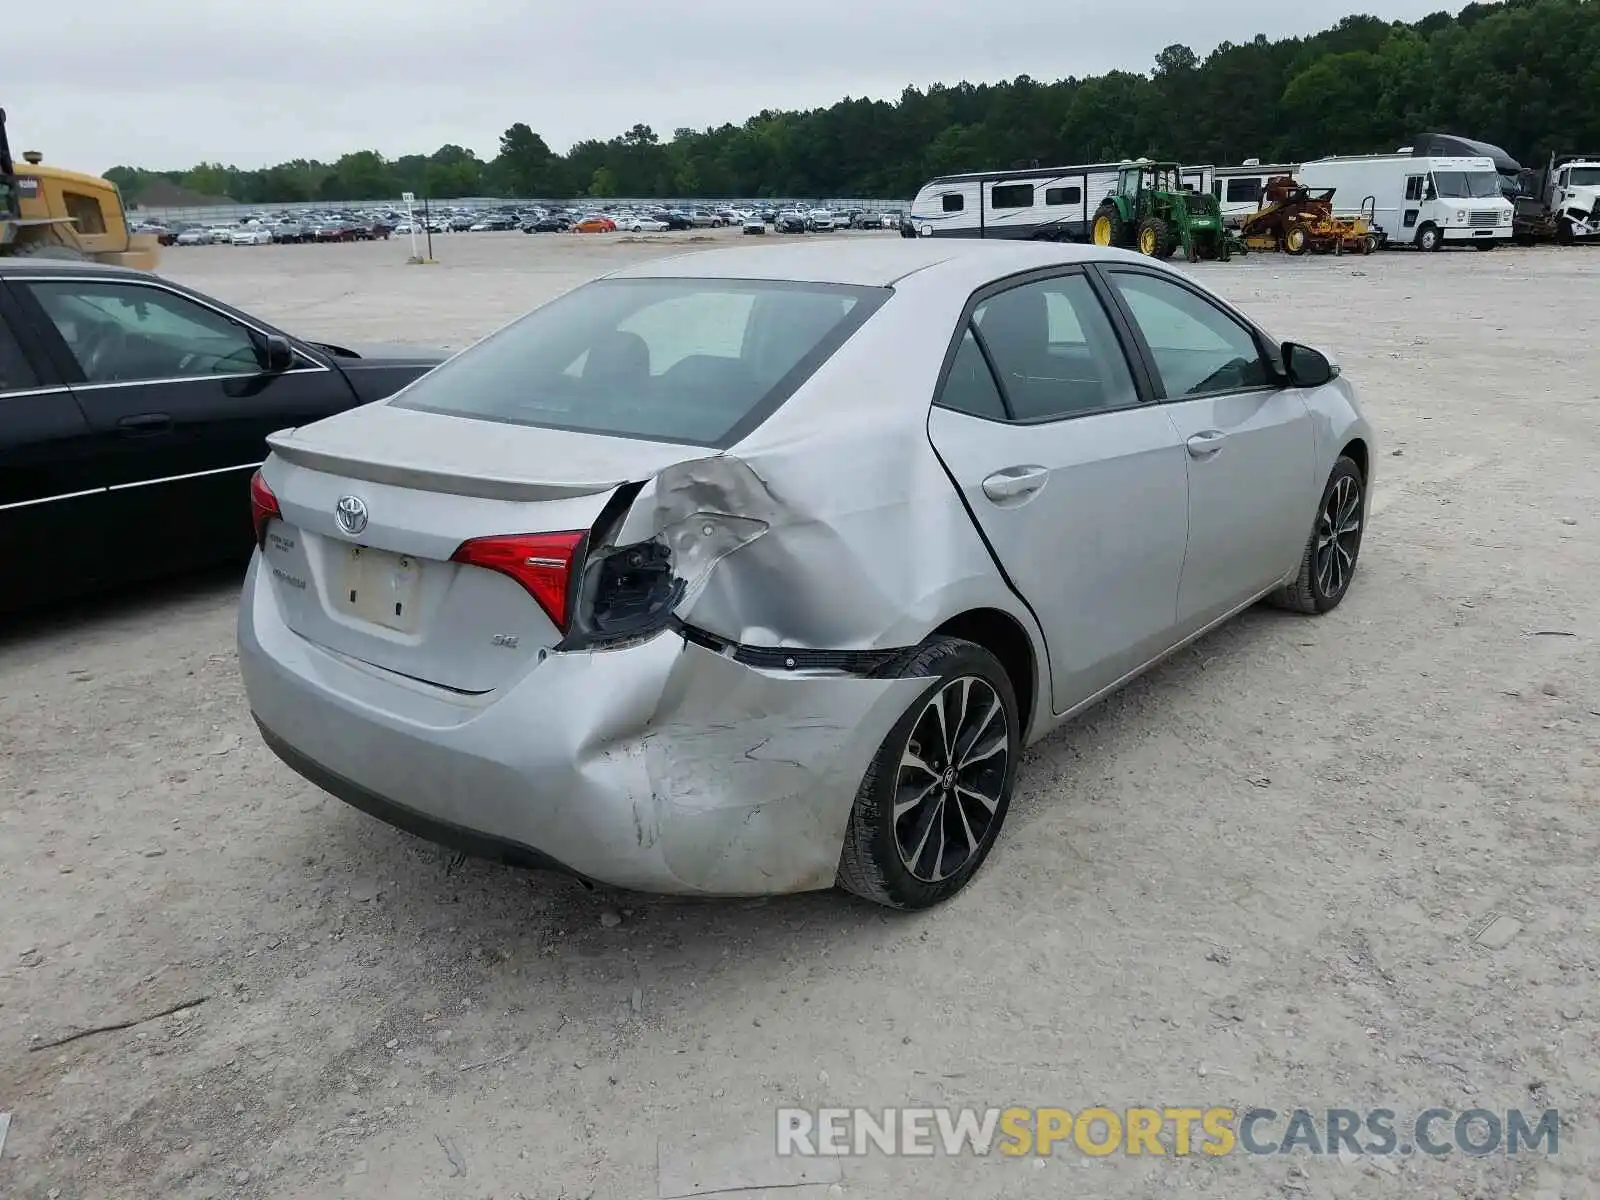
x=541, y=562
x=263, y=508
x=631, y=591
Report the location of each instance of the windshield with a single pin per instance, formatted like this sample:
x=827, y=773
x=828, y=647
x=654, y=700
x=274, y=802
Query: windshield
x=701, y=361
x=1583, y=177
x=1465, y=185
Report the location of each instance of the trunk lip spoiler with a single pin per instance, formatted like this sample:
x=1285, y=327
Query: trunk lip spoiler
x=400, y=473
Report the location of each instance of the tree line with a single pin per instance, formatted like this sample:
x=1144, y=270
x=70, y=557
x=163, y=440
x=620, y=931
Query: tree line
x=1523, y=74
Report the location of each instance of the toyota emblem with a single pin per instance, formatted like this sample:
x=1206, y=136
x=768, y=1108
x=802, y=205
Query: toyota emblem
x=351, y=513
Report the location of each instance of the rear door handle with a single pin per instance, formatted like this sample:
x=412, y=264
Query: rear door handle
x=145, y=423
x=1013, y=483
x=1206, y=443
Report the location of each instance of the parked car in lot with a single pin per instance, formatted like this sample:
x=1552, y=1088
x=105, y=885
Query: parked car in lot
x=252, y=235
x=290, y=232
x=754, y=224
x=128, y=402
x=222, y=235
x=195, y=236
x=547, y=224
x=595, y=224
x=674, y=585
x=646, y=225
x=791, y=221
x=820, y=220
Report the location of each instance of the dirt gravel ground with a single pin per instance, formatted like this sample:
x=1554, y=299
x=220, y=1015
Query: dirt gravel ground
x=1256, y=877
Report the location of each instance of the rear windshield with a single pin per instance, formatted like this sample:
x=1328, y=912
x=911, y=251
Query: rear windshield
x=702, y=361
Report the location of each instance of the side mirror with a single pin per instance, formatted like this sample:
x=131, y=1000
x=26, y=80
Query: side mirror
x=277, y=355
x=1306, y=367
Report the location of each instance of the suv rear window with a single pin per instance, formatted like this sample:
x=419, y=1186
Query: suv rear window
x=700, y=361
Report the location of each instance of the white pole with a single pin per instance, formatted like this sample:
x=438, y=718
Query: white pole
x=410, y=199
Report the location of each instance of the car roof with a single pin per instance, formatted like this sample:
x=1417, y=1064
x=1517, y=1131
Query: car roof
x=18, y=268
x=872, y=262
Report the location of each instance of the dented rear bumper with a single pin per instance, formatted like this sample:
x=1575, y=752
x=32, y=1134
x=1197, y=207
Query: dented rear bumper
x=664, y=766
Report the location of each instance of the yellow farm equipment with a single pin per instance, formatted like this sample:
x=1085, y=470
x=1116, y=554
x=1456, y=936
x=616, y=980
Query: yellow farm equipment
x=1295, y=220
x=49, y=212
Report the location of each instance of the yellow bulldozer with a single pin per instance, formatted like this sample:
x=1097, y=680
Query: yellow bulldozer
x=49, y=212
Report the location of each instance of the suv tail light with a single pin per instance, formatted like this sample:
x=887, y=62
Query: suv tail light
x=263, y=508
x=541, y=562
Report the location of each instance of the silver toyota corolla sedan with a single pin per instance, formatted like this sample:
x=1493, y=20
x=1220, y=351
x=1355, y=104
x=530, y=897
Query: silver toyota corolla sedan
x=754, y=570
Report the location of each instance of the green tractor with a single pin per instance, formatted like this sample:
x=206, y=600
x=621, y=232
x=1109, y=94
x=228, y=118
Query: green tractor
x=1152, y=212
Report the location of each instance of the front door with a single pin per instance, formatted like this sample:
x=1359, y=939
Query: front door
x=1077, y=481
x=180, y=404
x=1248, y=444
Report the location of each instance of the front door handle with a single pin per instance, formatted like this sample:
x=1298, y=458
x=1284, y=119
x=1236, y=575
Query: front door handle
x=1206, y=443
x=1014, y=482
x=141, y=424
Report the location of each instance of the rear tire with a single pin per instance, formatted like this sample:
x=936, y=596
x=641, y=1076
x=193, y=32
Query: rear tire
x=966, y=715
x=1333, y=548
x=1108, y=227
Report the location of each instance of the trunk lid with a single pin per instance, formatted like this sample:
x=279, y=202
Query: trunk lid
x=379, y=586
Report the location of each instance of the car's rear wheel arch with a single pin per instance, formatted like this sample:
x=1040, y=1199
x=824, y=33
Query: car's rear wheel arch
x=1002, y=636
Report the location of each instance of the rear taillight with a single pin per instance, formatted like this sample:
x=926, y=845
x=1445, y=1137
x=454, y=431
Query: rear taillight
x=541, y=562
x=263, y=507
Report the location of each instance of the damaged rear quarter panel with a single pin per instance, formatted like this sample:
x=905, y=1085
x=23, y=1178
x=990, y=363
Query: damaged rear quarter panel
x=869, y=544
x=749, y=775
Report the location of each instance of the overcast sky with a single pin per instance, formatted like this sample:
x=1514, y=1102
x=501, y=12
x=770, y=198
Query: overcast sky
x=168, y=83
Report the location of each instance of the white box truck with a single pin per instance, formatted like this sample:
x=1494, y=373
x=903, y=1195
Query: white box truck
x=1426, y=201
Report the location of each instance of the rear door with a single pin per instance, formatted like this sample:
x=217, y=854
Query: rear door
x=1075, y=477
x=1248, y=440
x=52, y=502
x=178, y=403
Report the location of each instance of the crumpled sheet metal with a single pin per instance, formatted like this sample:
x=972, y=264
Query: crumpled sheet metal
x=867, y=547
x=749, y=775
x=869, y=544
x=666, y=766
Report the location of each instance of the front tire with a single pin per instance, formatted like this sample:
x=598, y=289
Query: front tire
x=1329, y=562
x=1429, y=238
x=1155, y=239
x=936, y=794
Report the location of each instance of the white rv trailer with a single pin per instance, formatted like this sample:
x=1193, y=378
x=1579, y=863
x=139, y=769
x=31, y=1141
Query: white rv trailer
x=1051, y=203
x=1427, y=201
x=1238, y=189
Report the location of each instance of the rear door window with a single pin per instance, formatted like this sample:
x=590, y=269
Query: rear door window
x=699, y=361
x=1054, y=350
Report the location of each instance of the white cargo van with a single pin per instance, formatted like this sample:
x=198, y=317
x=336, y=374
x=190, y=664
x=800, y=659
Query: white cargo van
x=1426, y=201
